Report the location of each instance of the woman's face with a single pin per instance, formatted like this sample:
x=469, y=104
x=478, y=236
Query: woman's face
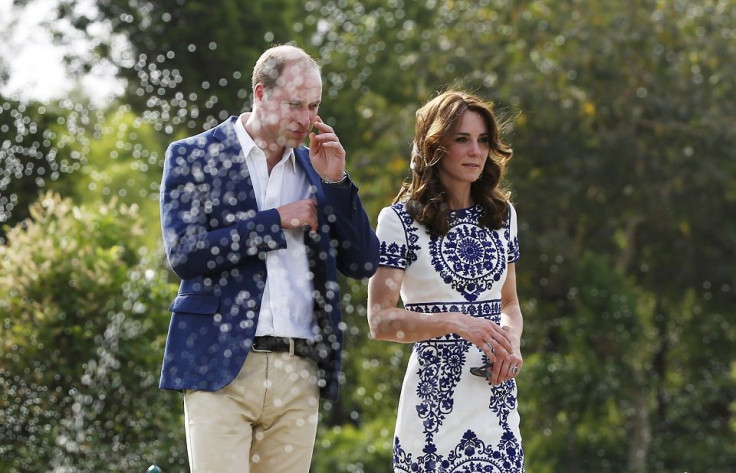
x=467, y=152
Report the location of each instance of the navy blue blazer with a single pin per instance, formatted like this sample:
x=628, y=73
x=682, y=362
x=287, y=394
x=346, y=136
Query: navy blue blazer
x=216, y=241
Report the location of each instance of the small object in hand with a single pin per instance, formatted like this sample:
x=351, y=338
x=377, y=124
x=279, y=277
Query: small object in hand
x=482, y=371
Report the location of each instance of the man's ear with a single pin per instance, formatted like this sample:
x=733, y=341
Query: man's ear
x=259, y=91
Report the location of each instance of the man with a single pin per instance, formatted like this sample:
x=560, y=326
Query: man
x=256, y=226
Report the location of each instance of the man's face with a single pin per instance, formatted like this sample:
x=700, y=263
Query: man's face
x=288, y=111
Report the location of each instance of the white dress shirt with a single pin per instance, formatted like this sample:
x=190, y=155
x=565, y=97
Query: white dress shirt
x=287, y=305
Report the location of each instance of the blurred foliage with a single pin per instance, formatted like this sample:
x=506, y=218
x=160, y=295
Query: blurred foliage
x=80, y=350
x=349, y=448
x=29, y=158
x=124, y=158
x=620, y=114
x=187, y=63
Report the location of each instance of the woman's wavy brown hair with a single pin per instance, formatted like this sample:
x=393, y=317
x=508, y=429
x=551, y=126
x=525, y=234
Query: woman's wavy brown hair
x=436, y=124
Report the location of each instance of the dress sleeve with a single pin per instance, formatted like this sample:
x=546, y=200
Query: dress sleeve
x=513, y=252
x=394, y=248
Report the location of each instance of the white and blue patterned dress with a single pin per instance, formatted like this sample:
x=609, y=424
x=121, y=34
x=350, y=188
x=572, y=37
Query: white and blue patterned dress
x=449, y=420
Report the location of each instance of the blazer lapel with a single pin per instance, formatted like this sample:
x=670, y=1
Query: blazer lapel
x=302, y=158
x=238, y=169
x=315, y=241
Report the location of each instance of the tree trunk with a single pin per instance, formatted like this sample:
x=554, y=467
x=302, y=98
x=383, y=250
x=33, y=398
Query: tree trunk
x=641, y=427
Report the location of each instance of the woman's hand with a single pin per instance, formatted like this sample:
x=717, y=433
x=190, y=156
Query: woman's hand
x=497, y=343
x=508, y=367
x=485, y=334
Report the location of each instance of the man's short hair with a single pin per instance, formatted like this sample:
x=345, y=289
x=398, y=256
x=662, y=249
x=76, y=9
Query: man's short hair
x=271, y=64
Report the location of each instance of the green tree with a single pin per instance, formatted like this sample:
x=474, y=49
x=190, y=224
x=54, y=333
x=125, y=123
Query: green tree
x=623, y=178
x=123, y=161
x=579, y=399
x=29, y=159
x=83, y=326
x=186, y=63
x=617, y=105
x=634, y=166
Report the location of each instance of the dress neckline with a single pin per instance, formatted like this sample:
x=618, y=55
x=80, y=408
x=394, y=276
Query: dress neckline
x=463, y=210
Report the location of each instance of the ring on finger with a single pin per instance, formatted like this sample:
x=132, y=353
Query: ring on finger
x=514, y=369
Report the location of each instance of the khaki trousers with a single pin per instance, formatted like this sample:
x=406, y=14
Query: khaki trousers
x=265, y=421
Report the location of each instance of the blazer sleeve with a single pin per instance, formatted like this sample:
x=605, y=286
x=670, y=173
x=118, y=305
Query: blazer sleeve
x=353, y=239
x=205, y=227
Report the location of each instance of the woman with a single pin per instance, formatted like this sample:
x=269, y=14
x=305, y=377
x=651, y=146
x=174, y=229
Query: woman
x=448, y=247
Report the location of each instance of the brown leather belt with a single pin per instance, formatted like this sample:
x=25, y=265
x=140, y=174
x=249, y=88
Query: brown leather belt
x=292, y=346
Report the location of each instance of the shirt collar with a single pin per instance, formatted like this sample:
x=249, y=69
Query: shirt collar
x=247, y=143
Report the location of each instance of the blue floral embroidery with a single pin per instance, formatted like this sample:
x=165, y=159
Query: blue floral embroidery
x=393, y=255
x=411, y=232
x=470, y=455
x=440, y=365
x=398, y=255
x=470, y=259
x=473, y=455
x=512, y=244
x=477, y=309
x=503, y=400
x=402, y=459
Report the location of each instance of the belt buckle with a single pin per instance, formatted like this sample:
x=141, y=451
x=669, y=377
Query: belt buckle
x=291, y=346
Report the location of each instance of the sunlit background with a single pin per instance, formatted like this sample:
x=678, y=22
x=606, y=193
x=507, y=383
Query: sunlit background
x=622, y=118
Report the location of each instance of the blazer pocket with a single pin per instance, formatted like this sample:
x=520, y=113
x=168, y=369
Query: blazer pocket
x=203, y=304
